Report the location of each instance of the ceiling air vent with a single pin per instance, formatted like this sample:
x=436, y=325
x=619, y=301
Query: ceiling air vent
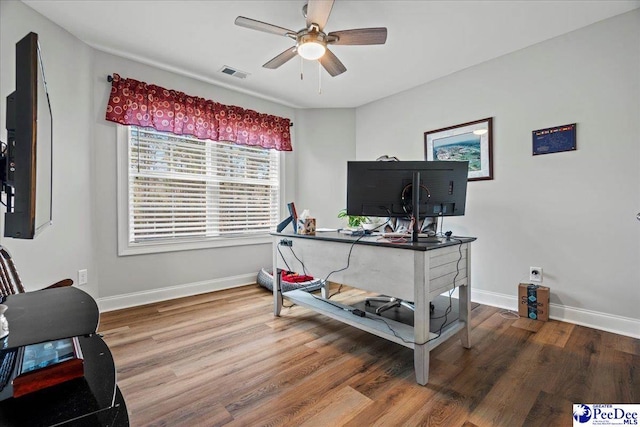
x=233, y=72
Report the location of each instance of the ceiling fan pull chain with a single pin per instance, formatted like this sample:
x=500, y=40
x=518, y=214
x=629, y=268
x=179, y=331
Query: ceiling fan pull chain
x=319, y=78
x=301, y=68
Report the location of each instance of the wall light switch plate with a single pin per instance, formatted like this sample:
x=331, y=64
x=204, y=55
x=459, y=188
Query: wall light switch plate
x=82, y=277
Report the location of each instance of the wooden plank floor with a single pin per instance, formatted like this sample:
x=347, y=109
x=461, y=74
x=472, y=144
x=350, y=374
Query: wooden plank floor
x=223, y=359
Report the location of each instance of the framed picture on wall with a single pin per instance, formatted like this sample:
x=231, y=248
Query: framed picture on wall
x=554, y=140
x=471, y=141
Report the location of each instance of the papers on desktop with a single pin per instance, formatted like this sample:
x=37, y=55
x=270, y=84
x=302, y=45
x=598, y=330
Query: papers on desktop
x=407, y=235
x=347, y=231
x=396, y=235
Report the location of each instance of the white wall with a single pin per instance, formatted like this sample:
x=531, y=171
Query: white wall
x=571, y=213
x=143, y=278
x=326, y=141
x=66, y=246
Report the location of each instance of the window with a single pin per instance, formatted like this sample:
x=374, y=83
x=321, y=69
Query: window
x=186, y=193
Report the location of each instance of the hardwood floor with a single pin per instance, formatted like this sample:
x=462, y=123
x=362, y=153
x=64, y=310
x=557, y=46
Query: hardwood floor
x=224, y=359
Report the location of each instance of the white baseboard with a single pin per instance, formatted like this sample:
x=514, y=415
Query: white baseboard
x=188, y=289
x=592, y=319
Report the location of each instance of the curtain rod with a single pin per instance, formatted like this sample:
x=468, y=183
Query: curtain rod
x=110, y=79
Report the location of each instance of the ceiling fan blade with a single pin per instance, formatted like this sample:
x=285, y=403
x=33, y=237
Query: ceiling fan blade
x=332, y=64
x=318, y=12
x=360, y=36
x=262, y=26
x=281, y=59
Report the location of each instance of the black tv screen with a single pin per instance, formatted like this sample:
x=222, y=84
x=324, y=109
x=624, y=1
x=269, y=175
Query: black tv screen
x=26, y=170
x=384, y=189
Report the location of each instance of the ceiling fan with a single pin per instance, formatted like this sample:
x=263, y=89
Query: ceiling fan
x=312, y=41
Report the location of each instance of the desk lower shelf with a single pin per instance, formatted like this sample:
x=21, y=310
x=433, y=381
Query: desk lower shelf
x=388, y=329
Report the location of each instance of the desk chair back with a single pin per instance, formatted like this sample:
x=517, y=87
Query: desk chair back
x=10, y=282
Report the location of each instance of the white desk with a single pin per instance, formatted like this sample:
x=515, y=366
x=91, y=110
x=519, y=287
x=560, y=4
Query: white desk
x=416, y=272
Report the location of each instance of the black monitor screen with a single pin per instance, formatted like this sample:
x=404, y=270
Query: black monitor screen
x=384, y=189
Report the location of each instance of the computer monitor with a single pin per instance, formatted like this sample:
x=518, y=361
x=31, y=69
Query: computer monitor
x=387, y=189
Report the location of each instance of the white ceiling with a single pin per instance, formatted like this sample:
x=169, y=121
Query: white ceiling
x=426, y=39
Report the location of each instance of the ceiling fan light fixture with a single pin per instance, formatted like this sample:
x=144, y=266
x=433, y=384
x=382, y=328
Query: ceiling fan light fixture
x=311, y=50
x=312, y=41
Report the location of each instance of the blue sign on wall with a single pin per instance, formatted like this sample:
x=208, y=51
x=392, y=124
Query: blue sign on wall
x=554, y=140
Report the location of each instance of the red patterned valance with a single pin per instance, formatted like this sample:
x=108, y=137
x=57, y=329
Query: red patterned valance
x=137, y=103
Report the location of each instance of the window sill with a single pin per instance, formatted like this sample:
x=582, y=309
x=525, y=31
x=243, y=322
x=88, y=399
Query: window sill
x=155, y=247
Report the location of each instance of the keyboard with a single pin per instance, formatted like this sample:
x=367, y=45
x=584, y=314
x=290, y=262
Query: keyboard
x=7, y=360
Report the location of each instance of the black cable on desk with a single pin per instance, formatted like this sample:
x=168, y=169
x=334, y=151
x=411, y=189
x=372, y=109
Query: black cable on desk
x=329, y=302
x=448, y=309
x=348, y=260
x=342, y=269
x=284, y=260
x=304, y=270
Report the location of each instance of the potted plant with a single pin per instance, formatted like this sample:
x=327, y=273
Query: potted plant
x=353, y=221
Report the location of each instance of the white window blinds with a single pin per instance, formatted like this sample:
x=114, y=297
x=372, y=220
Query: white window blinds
x=185, y=188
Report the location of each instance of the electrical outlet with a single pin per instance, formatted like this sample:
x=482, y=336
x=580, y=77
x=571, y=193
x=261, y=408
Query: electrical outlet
x=82, y=277
x=535, y=274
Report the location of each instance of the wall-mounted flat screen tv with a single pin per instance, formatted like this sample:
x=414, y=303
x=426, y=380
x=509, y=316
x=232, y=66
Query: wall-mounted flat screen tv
x=26, y=164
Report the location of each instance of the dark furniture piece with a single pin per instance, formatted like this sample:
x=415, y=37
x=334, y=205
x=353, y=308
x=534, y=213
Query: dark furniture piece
x=49, y=315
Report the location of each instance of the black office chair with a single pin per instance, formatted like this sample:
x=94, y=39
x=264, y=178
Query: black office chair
x=389, y=303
